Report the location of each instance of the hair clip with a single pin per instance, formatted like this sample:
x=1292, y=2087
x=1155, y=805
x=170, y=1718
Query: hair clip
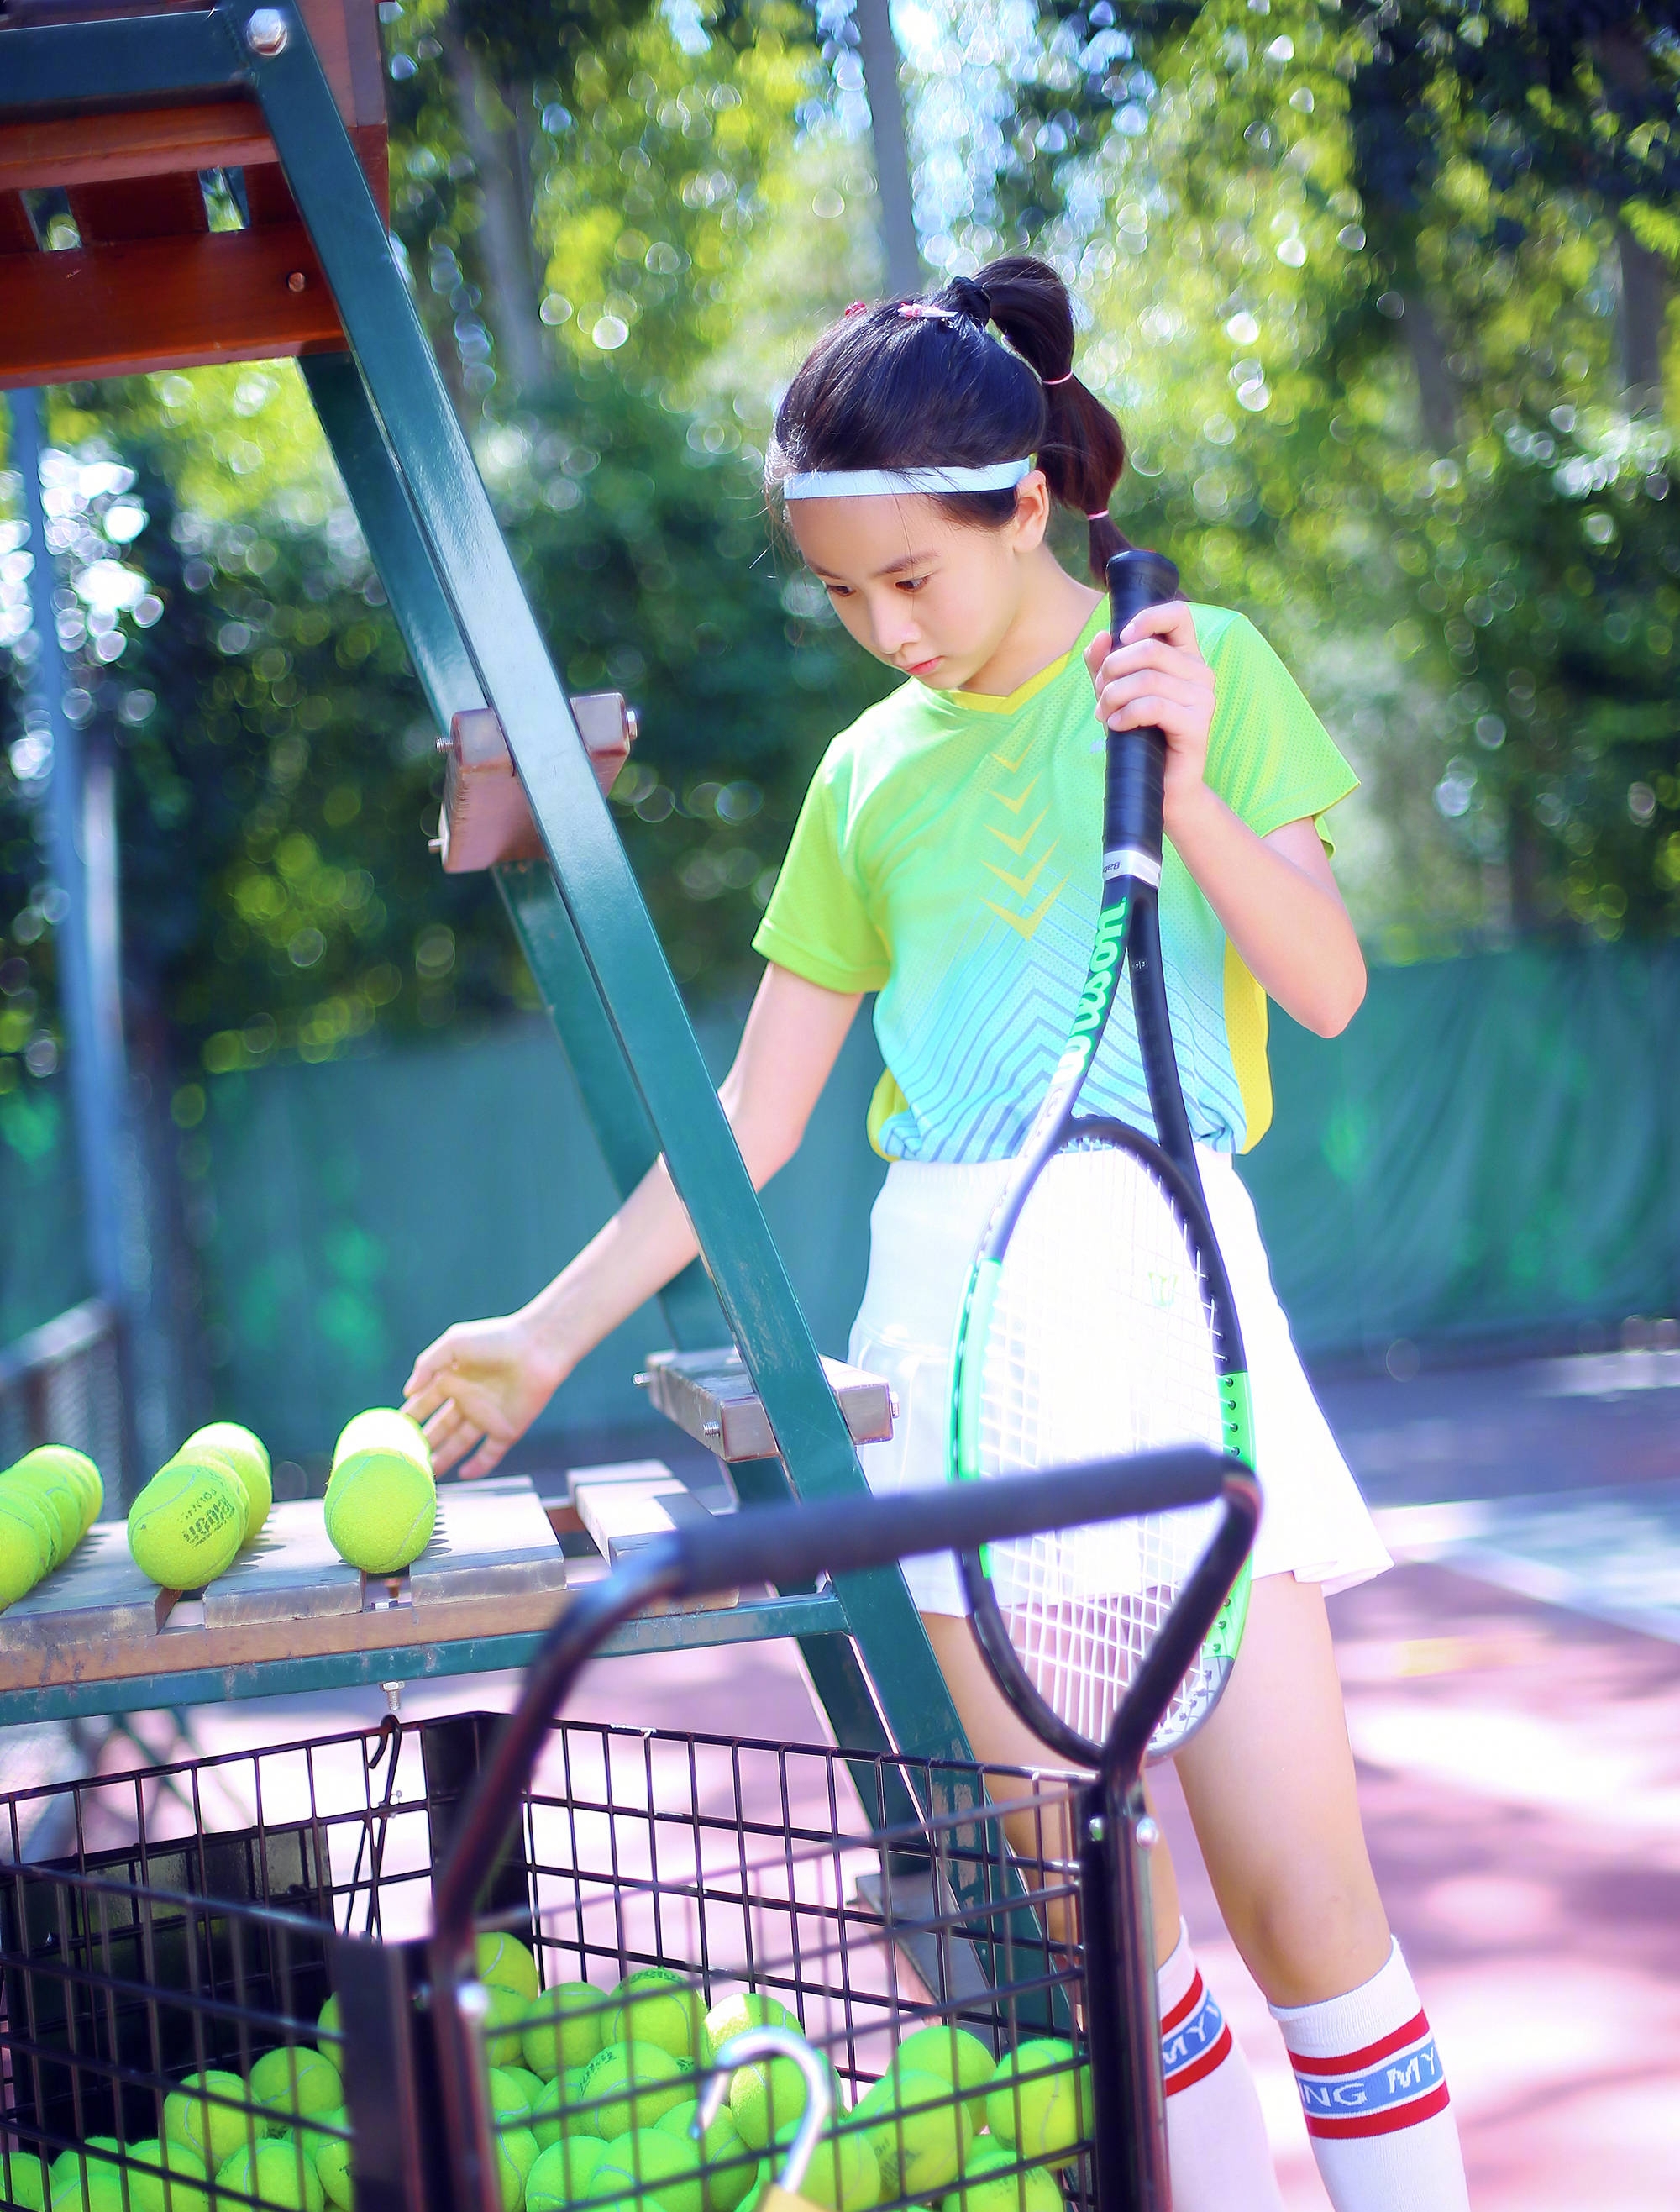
x=857, y=307
x=918, y=311
x=1101, y=515
x=1050, y=381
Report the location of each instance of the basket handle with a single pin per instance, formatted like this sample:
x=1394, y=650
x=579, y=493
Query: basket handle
x=786, y=1545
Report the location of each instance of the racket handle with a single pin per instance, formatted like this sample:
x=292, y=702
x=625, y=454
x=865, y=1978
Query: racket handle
x=1136, y=758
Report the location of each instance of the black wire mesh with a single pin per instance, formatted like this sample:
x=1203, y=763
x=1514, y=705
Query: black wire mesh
x=164, y=1981
x=63, y=1384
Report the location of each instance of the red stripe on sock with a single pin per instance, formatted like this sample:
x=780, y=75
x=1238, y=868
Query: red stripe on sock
x=1199, y=2069
x=1380, y=2124
x=1186, y=2006
x=1356, y=2061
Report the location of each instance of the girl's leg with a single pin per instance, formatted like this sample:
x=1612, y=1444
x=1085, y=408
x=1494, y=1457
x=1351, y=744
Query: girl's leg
x=1269, y=1784
x=1215, y=2137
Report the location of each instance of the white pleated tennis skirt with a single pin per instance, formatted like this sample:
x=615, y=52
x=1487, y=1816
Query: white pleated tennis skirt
x=923, y=1231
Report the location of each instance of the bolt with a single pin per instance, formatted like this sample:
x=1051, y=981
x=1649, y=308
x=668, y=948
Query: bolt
x=1148, y=1834
x=266, y=33
x=296, y=282
x=393, y=1696
x=1097, y=1829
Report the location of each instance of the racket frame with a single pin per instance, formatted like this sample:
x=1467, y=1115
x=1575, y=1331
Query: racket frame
x=1127, y=941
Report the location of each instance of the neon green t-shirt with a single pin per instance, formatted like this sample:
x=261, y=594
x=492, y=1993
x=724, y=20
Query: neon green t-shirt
x=949, y=856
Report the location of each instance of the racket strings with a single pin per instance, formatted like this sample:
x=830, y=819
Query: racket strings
x=1101, y=1342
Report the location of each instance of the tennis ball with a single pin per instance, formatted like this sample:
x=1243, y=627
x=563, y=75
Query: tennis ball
x=382, y=1428
x=629, y=2085
x=210, y=2113
x=563, y=2172
x=919, y=2133
x=657, y=2005
x=990, y=2184
x=83, y=2178
x=557, y=2113
x=332, y=2161
x=23, y=1545
x=380, y=1512
x=52, y=1487
x=744, y=2009
x=503, y=1962
x=516, y=2155
x=63, y=1459
x=955, y=2057
x=275, y=2173
x=294, y=2081
x=844, y=2175
x=247, y=1455
x=650, y=2158
x=1042, y=2098
x=23, y=2180
x=181, y=2189
x=565, y=2029
x=187, y=1525
x=728, y=2168
x=514, y=2095
x=763, y=2097
x=328, y=2023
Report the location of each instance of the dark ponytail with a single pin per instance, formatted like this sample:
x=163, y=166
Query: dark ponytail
x=918, y=384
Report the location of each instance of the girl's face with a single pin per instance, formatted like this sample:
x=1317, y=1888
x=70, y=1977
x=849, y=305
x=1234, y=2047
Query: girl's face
x=926, y=595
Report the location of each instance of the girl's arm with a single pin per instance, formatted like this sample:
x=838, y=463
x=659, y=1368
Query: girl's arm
x=1275, y=895
x=484, y=1382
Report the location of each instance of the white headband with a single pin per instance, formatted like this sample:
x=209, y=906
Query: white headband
x=872, y=483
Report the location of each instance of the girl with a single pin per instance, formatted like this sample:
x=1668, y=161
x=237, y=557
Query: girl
x=948, y=858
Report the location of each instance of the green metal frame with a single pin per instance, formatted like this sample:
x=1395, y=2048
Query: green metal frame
x=458, y=599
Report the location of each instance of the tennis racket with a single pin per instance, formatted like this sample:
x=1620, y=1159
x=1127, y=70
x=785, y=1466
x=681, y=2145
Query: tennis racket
x=1098, y=1320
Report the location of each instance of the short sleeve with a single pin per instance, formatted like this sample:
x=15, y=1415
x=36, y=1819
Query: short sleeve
x=817, y=923
x=1270, y=757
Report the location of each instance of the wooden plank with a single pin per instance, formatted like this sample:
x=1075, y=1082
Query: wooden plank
x=162, y=303
x=146, y=207
x=99, y=1593
x=490, y=1536
x=94, y=149
x=291, y=1572
x=624, y=1513
x=17, y=233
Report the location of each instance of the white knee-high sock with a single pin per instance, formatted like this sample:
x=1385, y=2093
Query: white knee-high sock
x=1375, y=2098
x=1215, y=2137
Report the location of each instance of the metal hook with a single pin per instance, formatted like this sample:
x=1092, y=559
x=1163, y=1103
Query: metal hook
x=772, y=2042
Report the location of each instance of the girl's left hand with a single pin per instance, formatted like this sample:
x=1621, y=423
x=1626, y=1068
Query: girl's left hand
x=1155, y=678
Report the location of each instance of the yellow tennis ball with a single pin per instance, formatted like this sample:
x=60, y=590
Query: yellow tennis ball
x=989, y=2183
x=23, y=2179
x=741, y=2009
x=1042, y=2098
x=64, y=1459
x=166, y=2177
x=631, y=2085
x=516, y=2155
x=327, y=2024
x=210, y=2113
x=275, y=2173
x=83, y=2178
x=514, y=2093
x=564, y=2172
x=186, y=1526
x=564, y=2028
x=295, y=2082
x=919, y=2132
x=331, y=2155
x=764, y=2096
x=53, y=1487
x=652, y=2158
x=382, y=1428
x=28, y=1514
x=728, y=2168
x=23, y=1545
x=380, y=1512
x=248, y=1457
x=558, y=2111
x=844, y=2175
x=655, y=2004
x=503, y=1962
x=956, y=2056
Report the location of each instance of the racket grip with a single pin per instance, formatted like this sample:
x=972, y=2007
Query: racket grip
x=1136, y=758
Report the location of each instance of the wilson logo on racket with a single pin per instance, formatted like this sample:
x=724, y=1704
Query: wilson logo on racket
x=1099, y=991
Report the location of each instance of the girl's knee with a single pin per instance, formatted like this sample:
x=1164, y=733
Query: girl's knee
x=1307, y=1944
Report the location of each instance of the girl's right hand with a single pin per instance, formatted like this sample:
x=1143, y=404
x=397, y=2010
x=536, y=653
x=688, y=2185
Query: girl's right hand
x=482, y=1382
